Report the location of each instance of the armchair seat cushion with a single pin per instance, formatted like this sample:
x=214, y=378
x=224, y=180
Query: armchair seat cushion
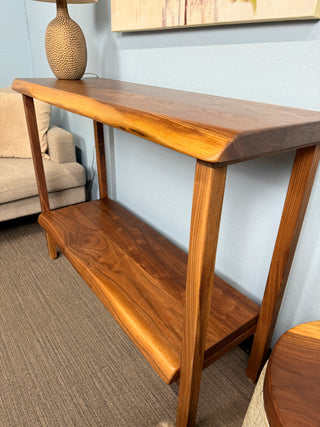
x=17, y=178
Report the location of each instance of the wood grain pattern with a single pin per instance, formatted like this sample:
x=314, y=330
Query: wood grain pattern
x=205, y=222
x=292, y=382
x=300, y=186
x=36, y=152
x=140, y=277
x=214, y=129
x=101, y=159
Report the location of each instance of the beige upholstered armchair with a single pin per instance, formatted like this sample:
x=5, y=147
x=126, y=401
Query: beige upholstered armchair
x=18, y=190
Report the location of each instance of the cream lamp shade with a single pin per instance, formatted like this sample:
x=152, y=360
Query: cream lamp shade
x=66, y=47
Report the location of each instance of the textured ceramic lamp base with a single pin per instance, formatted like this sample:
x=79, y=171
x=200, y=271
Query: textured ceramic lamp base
x=65, y=46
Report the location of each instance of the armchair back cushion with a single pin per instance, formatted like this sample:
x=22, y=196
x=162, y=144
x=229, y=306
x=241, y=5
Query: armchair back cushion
x=14, y=140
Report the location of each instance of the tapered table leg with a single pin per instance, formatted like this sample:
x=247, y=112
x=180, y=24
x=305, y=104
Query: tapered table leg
x=299, y=190
x=206, y=212
x=101, y=159
x=36, y=152
x=52, y=248
x=38, y=164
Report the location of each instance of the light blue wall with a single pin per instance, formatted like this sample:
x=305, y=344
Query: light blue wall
x=15, y=50
x=275, y=63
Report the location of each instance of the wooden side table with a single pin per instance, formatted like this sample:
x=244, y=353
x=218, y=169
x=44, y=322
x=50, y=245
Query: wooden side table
x=292, y=381
x=179, y=314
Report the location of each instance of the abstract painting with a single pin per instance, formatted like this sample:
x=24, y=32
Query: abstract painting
x=137, y=15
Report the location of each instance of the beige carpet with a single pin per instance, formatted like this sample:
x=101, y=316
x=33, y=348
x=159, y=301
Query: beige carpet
x=65, y=362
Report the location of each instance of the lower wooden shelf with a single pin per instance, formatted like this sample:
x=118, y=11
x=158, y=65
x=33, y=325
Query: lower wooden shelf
x=140, y=277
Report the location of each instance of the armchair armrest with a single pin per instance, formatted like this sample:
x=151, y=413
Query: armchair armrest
x=61, y=147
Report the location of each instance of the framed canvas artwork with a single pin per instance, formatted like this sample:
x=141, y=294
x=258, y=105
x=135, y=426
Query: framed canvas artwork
x=137, y=15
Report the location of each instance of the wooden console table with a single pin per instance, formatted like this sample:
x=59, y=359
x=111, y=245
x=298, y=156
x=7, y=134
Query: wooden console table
x=179, y=314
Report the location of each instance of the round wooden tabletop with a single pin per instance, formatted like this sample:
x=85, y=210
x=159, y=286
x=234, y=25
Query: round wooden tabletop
x=292, y=382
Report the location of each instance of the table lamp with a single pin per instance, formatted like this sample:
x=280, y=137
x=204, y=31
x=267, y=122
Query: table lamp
x=66, y=47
